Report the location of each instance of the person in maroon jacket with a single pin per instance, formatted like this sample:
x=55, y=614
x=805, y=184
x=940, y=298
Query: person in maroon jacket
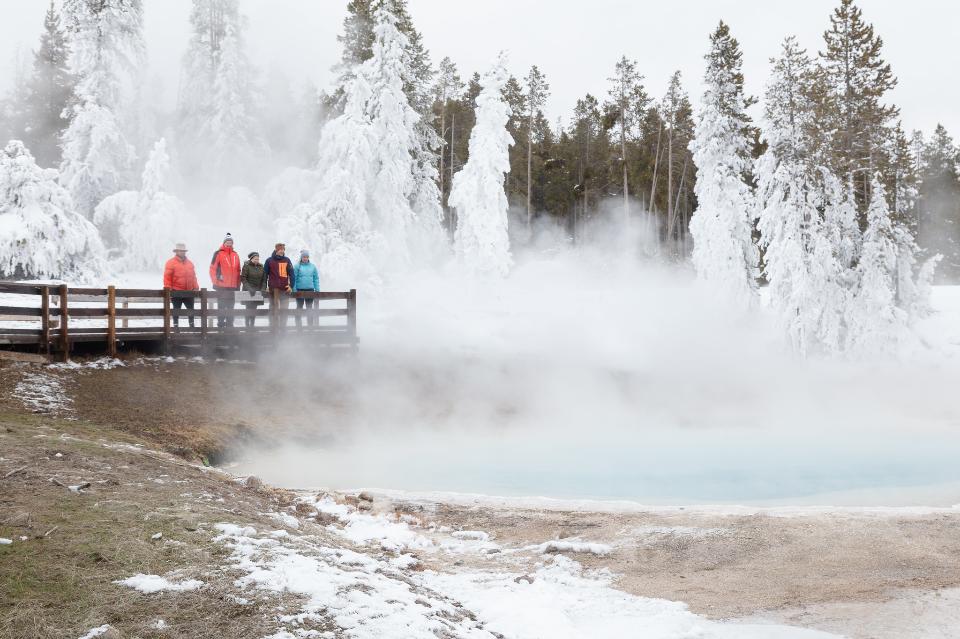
x=225, y=276
x=279, y=270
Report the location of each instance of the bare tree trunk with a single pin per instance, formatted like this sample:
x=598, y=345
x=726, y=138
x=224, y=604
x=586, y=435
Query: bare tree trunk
x=623, y=161
x=670, y=211
x=453, y=138
x=530, y=172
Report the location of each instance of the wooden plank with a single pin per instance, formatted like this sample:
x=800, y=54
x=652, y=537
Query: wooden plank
x=64, y=324
x=166, y=321
x=21, y=311
x=123, y=323
x=156, y=311
x=92, y=292
x=25, y=289
x=15, y=356
x=88, y=312
x=45, y=320
x=112, y=321
x=322, y=295
x=140, y=292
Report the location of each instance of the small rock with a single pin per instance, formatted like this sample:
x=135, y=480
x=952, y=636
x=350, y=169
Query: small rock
x=326, y=519
x=365, y=506
x=190, y=526
x=253, y=482
x=304, y=509
x=365, y=496
x=492, y=551
x=111, y=633
x=351, y=500
x=19, y=520
x=525, y=578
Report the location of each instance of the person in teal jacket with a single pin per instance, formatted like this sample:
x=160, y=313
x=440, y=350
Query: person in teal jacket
x=306, y=277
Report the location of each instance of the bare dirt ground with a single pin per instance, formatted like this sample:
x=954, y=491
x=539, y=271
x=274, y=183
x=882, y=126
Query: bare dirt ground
x=138, y=435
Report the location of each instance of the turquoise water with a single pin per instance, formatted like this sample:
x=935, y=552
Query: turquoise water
x=666, y=467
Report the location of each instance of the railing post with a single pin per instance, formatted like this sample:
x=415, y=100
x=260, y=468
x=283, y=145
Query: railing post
x=166, y=321
x=352, y=317
x=112, y=321
x=64, y=324
x=45, y=319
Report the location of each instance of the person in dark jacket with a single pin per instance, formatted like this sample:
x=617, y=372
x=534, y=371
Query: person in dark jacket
x=253, y=279
x=225, y=275
x=306, y=277
x=279, y=271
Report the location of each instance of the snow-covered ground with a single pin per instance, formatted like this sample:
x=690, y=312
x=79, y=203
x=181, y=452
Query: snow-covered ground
x=380, y=593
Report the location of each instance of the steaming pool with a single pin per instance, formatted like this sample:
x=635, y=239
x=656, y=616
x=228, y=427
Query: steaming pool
x=665, y=468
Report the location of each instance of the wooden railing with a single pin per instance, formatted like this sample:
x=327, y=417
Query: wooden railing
x=50, y=309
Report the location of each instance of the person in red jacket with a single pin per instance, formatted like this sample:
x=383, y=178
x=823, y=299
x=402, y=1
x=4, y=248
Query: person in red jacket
x=179, y=275
x=225, y=275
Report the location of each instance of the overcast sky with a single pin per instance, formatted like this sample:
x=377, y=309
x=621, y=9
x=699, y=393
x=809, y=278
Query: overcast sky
x=575, y=43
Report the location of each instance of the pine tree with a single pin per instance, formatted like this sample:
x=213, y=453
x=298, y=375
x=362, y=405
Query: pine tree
x=628, y=100
x=537, y=92
x=140, y=227
x=724, y=253
x=219, y=130
x=481, y=241
x=856, y=80
x=805, y=289
x=40, y=233
x=875, y=322
x=49, y=91
x=106, y=43
x=939, y=201
x=676, y=112
x=448, y=88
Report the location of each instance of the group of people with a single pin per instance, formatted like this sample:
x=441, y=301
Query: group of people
x=227, y=276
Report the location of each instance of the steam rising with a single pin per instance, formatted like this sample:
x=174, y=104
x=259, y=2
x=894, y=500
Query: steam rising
x=591, y=373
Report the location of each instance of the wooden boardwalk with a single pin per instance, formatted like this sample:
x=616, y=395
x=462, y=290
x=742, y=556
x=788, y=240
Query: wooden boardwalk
x=55, y=320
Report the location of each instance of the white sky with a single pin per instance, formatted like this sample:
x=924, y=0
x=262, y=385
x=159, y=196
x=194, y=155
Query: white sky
x=575, y=43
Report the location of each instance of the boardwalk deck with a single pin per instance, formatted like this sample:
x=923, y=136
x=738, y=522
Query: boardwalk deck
x=54, y=320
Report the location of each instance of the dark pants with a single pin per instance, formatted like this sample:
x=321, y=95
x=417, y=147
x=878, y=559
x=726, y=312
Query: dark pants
x=225, y=301
x=182, y=302
x=308, y=302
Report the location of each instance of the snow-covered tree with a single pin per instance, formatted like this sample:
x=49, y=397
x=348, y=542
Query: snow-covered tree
x=806, y=288
x=107, y=48
x=393, y=122
x=47, y=94
x=875, y=323
x=141, y=227
x=336, y=222
x=724, y=253
x=481, y=242
x=219, y=131
x=40, y=234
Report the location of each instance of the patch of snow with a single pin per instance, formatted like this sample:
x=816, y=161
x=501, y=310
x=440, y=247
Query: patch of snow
x=286, y=519
x=148, y=584
x=574, y=546
x=96, y=632
x=102, y=363
x=156, y=535
x=475, y=535
x=5, y=542
x=42, y=393
x=159, y=624
x=561, y=602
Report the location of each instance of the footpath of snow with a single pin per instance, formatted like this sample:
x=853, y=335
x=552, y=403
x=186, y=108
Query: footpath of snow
x=96, y=632
x=149, y=584
x=380, y=593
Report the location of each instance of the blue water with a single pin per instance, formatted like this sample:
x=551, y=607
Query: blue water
x=667, y=467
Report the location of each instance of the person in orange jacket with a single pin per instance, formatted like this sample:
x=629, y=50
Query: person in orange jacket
x=179, y=275
x=225, y=276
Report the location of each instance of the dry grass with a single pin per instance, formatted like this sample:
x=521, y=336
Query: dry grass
x=59, y=582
